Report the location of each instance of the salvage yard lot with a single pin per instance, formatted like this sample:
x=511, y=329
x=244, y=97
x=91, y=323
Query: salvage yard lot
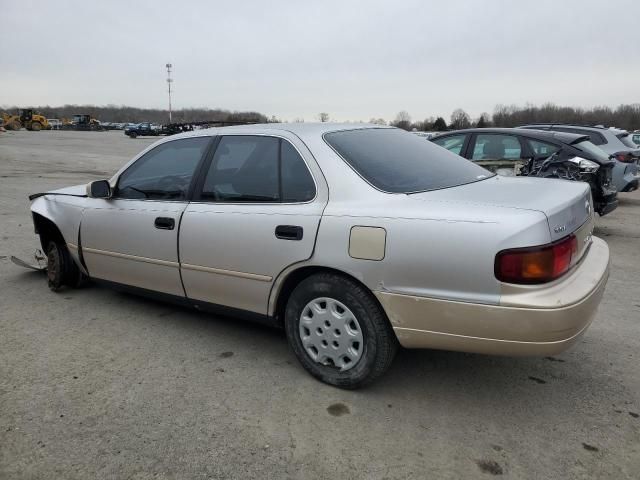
x=95, y=383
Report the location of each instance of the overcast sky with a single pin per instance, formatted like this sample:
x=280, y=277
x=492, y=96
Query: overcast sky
x=352, y=59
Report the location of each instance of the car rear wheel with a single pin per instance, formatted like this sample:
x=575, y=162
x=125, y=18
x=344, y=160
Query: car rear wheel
x=338, y=331
x=61, y=269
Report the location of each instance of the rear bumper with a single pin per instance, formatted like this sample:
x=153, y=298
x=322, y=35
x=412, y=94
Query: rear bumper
x=607, y=204
x=531, y=320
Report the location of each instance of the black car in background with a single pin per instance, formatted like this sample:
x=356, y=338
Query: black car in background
x=520, y=152
x=145, y=129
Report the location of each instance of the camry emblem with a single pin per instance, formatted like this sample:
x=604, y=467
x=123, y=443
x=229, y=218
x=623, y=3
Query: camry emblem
x=560, y=228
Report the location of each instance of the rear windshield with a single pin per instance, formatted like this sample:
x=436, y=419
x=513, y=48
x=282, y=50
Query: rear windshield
x=595, y=151
x=626, y=139
x=395, y=161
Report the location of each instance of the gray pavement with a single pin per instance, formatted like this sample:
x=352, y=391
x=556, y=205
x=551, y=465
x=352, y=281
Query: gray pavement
x=100, y=384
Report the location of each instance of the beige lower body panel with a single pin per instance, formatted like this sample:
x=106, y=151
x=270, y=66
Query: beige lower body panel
x=542, y=328
x=240, y=290
x=156, y=275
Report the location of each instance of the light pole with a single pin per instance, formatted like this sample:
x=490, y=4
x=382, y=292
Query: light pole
x=169, y=82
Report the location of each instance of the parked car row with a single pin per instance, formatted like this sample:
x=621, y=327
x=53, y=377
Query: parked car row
x=114, y=125
x=353, y=238
x=604, y=158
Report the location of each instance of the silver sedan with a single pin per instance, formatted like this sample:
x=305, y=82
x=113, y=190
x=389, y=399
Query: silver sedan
x=354, y=238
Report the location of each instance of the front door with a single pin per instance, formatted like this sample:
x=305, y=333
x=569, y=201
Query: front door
x=256, y=211
x=132, y=238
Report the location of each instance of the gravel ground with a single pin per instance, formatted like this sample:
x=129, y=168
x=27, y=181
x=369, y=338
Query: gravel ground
x=99, y=384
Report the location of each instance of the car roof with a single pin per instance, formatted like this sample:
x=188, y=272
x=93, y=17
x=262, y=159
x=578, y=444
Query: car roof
x=300, y=129
x=597, y=128
x=564, y=137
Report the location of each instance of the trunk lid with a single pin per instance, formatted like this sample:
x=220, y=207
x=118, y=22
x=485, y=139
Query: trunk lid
x=567, y=205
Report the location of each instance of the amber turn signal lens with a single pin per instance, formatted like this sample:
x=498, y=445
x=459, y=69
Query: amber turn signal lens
x=539, y=264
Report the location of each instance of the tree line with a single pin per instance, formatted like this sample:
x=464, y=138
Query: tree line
x=626, y=116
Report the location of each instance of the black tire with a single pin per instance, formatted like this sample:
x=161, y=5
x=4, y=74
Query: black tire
x=133, y=135
x=61, y=269
x=379, y=341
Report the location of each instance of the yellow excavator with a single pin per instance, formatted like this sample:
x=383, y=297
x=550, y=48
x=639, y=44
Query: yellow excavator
x=27, y=119
x=11, y=122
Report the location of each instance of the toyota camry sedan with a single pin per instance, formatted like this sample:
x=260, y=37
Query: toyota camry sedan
x=354, y=238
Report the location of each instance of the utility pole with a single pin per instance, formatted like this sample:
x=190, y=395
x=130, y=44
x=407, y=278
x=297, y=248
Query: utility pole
x=169, y=82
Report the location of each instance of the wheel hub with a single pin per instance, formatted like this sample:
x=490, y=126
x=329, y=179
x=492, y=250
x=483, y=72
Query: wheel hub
x=331, y=334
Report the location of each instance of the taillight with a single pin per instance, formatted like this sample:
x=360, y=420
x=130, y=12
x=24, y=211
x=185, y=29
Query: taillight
x=624, y=157
x=536, y=264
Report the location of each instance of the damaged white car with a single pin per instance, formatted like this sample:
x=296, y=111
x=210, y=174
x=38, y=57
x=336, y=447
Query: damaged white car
x=354, y=238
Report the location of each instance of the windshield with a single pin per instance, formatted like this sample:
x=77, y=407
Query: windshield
x=626, y=140
x=395, y=161
x=596, y=152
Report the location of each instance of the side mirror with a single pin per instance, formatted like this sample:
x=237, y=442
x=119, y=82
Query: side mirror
x=99, y=189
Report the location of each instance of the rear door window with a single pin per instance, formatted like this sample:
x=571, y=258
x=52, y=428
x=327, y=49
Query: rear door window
x=252, y=168
x=490, y=146
x=297, y=182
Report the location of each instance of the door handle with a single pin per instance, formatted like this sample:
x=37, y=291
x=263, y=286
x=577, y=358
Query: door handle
x=289, y=232
x=165, y=223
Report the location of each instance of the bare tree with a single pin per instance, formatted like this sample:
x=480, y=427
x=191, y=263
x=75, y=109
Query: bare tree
x=427, y=124
x=323, y=117
x=403, y=120
x=460, y=119
x=377, y=121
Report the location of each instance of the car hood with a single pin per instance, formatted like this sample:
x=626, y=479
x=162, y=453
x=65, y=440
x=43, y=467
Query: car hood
x=74, y=191
x=567, y=205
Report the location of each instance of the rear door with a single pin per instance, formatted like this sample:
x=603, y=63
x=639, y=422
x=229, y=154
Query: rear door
x=498, y=152
x=132, y=238
x=255, y=212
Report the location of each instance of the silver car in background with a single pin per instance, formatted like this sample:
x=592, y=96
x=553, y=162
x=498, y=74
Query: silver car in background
x=354, y=238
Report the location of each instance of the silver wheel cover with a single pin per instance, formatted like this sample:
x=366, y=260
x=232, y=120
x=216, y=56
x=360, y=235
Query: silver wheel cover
x=331, y=334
